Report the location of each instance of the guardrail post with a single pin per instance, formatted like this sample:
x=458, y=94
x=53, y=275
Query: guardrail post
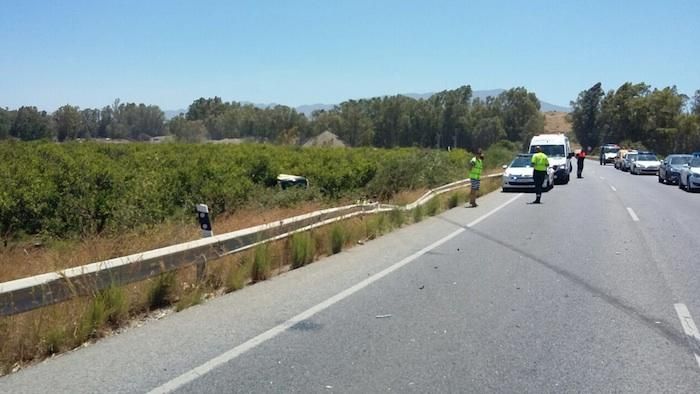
x=207, y=231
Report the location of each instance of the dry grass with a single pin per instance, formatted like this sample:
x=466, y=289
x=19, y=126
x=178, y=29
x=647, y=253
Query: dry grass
x=556, y=122
x=23, y=260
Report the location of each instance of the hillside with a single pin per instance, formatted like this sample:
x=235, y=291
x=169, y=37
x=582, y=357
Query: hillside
x=556, y=122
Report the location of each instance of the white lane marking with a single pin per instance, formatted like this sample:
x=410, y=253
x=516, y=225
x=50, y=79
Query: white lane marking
x=613, y=188
x=632, y=214
x=498, y=208
x=689, y=326
x=602, y=178
x=231, y=354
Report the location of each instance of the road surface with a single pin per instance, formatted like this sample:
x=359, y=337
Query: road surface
x=595, y=290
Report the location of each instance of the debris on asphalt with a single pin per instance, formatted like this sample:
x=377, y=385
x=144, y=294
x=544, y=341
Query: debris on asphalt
x=382, y=316
x=421, y=287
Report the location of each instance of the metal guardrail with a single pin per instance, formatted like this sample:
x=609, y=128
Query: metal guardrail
x=34, y=292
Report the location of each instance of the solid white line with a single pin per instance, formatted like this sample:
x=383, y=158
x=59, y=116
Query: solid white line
x=632, y=214
x=215, y=362
x=498, y=208
x=613, y=188
x=688, y=325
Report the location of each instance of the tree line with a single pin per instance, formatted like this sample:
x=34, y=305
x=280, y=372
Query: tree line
x=662, y=120
x=449, y=118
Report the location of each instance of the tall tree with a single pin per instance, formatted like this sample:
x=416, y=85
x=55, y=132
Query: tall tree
x=585, y=113
x=6, y=120
x=67, y=121
x=31, y=124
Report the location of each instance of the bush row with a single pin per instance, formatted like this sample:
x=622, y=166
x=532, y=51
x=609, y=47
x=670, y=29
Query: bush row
x=80, y=189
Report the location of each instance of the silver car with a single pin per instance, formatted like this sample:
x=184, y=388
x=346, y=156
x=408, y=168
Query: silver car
x=627, y=160
x=518, y=175
x=689, y=178
x=645, y=163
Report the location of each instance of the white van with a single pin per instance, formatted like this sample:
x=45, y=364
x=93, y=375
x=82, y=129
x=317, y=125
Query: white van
x=558, y=150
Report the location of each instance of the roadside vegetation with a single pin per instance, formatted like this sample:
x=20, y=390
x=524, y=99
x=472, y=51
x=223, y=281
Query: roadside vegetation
x=40, y=333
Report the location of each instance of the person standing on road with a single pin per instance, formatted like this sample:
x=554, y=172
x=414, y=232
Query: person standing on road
x=540, y=163
x=476, y=165
x=580, y=157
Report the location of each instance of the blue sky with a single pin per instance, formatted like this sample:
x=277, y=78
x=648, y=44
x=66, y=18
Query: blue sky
x=169, y=53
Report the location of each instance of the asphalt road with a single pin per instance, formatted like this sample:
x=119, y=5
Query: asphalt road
x=582, y=293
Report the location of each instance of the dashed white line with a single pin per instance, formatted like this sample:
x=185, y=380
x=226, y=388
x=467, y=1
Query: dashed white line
x=689, y=326
x=632, y=214
x=231, y=354
x=613, y=188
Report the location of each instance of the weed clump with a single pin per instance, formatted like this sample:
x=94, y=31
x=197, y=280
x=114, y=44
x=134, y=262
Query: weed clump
x=396, y=217
x=161, y=292
x=453, y=201
x=238, y=275
x=433, y=206
x=337, y=239
x=302, y=245
x=418, y=214
x=261, y=263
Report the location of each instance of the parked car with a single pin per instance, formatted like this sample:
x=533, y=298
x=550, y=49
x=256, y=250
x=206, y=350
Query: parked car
x=627, y=160
x=619, y=157
x=670, y=168
x=608, y=152
x=689, y=178
x=645, y=163
x=518, y=175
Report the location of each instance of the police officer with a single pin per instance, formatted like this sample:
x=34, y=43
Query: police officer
x=477, y=165
x=540, y=163
x=580, y=159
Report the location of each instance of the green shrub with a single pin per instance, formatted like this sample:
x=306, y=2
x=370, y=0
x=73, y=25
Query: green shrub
x=262, y=260
x=55, y=341
x=190, y=298
x=161, y=292
x=433, y=206
x=116, y=304
x=93, y=319
x=337, y=239
x=238, y=275
x=302, y=245
x=418, y=214
x=453, y=201
x=396, y=217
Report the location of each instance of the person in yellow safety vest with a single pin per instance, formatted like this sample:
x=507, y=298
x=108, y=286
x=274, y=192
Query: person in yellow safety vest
x=540, y=163
x=476, y=165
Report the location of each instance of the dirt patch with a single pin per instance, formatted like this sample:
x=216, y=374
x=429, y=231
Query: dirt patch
x=556, y=122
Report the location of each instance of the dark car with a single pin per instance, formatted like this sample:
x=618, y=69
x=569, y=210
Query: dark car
x=670, y=168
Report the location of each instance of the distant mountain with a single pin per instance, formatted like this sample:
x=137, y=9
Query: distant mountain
x=309, y=109
x=173, y=113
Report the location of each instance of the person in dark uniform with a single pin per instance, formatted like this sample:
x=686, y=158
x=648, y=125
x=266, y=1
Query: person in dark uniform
x=580, y=158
